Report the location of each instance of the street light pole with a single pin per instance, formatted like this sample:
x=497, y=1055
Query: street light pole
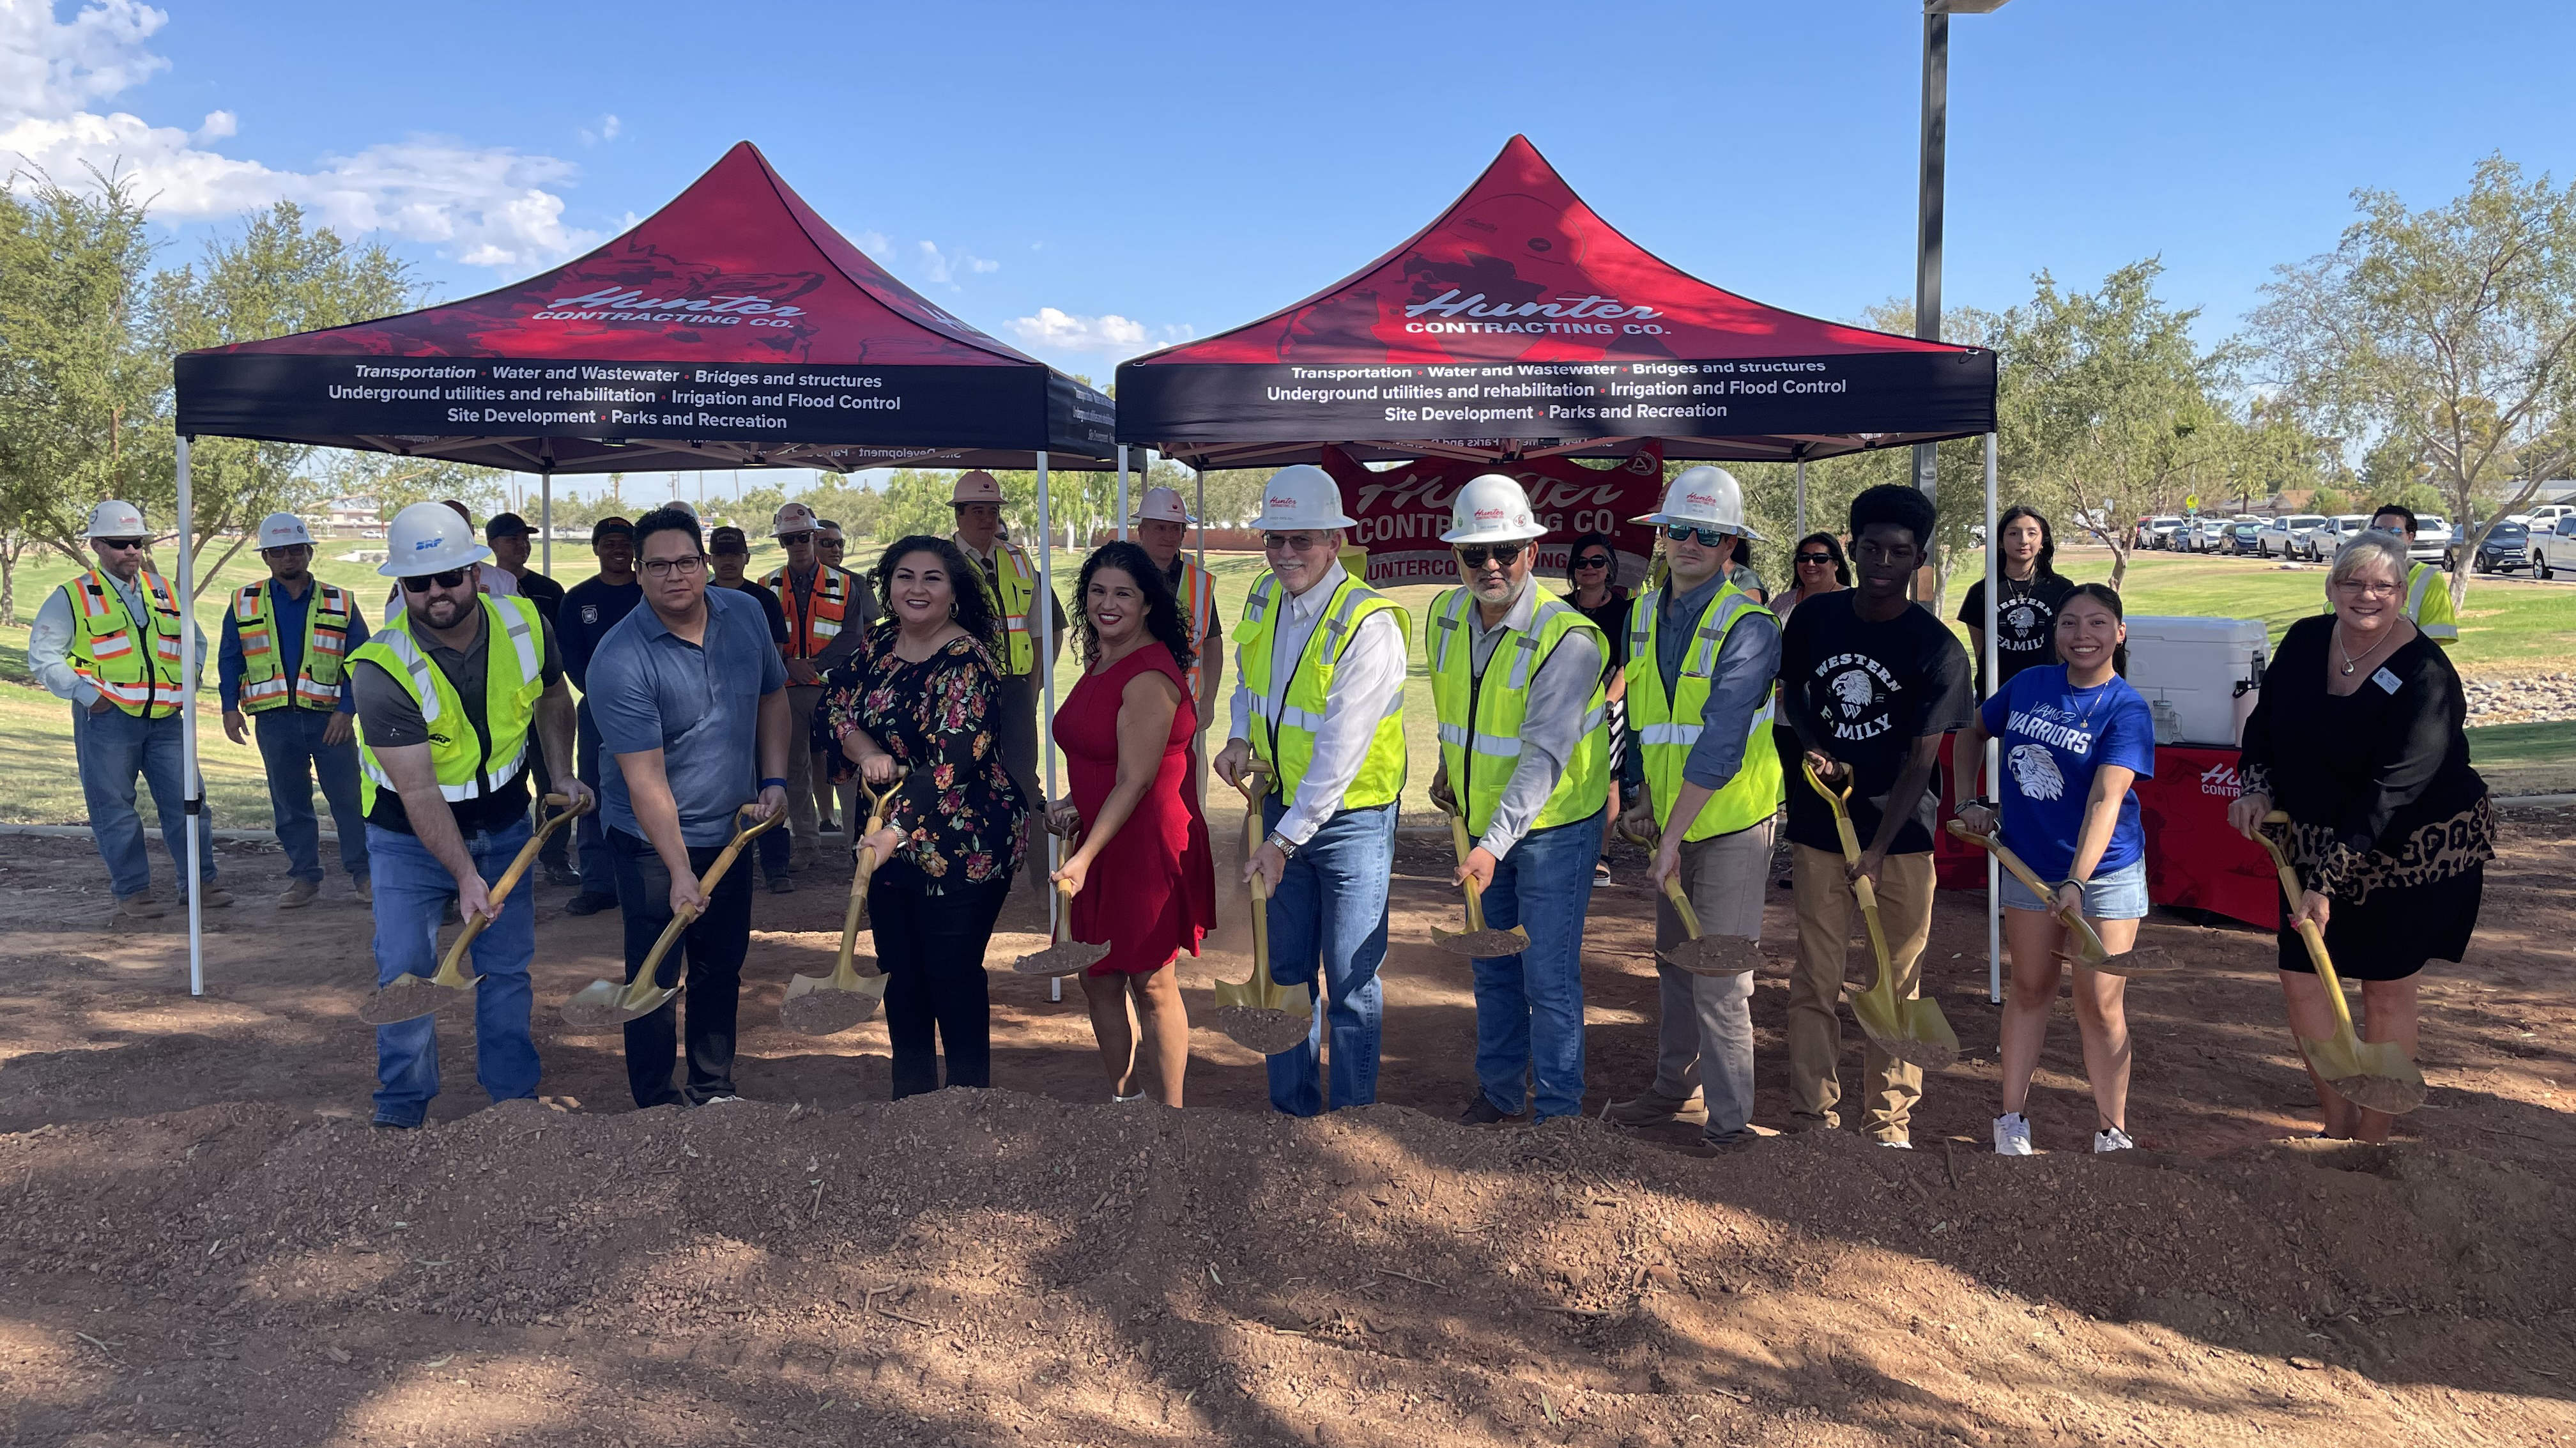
x=1927, y=225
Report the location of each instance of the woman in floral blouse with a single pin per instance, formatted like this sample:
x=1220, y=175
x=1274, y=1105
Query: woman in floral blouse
x=918, y=694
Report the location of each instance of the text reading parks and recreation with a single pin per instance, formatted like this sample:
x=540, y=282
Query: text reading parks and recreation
x=1432, y=393
x=608, y=394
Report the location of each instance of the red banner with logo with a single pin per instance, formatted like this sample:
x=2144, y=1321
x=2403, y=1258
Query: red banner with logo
x=1403, y=510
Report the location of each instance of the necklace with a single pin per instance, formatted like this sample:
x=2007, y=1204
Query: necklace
x=2349, y=662
x=2100, y=692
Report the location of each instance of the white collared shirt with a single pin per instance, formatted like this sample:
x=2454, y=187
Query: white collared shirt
x=1368, y=684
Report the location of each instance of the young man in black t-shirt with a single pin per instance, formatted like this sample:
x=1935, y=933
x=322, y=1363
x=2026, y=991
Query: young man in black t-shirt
x=1870, y=683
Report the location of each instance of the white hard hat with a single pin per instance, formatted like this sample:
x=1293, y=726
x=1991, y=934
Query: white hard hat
x=1704, y=497
x=1162, y=505
x=113, y=519
x=1301, y=495
x=429, y=538
x=791, y=519
x=283, y=530
x=1491, y=509
x=978, y=486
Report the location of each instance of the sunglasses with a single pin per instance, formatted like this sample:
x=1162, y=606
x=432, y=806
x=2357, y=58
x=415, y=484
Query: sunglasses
x=423, y=582
x=1596, y=561
x=1293, y=542
x=1708, y=537
x=1819, y=558
x=119, y=543
x=1501, y=553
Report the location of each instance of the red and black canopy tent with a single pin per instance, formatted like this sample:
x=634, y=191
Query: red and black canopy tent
x=733, y=328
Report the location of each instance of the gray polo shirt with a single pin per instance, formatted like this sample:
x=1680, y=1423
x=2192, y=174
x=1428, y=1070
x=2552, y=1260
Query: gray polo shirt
x=651, y=689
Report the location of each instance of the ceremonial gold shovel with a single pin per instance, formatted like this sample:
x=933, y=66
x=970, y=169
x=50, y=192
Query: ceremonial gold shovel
x=1701, y=954
x=1913, y=1031
x=2373, y=1074
x=819, y=1005
x=2090, y=952
x=1478, y=940
x=1261, y=1015
x=408, y=997
x=605, y=1003
x=1063, y=956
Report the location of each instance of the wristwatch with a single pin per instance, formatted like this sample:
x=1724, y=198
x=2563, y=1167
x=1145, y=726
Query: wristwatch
x=1277, y=841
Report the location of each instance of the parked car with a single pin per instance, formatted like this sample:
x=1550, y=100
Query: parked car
x=2554, y=549
x=2506, y=547
x=2244, y=538
x=2281, y=537
x=2542, y=518
x=2433, y=542
x=2320, y=542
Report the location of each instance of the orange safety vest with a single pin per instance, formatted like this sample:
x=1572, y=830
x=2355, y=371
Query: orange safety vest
x=317, y=675
x=1197, y=599
x=104, y=650
x=827, y=608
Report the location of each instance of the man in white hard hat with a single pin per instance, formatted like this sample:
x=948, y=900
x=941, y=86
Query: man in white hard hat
x=454, y=697
x=489, y=576
x=1319, y=702
x=1162, y=526
x=1703, y=777
x=1525, y=759
x=108, y=641
x=827, y=610
x=1010, y=581
x=283, y=662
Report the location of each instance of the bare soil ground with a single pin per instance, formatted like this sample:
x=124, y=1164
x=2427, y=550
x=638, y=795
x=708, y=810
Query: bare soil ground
x=201, y=1241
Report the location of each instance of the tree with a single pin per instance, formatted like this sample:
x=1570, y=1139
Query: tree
x=2449, y=329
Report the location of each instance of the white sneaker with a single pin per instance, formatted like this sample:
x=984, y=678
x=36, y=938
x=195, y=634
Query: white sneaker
x=2012, y=1135
x=2109, y=1138
x=718, y=1100
x=1898, y=1145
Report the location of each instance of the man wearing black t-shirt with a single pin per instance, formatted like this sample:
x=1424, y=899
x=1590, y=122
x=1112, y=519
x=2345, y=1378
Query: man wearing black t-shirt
x=729, y=553
x=1870, y=682
x=507, y=535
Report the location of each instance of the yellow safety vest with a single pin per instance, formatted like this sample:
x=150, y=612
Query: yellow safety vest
x=2428, y=604
x=468, y=766
x=1019, y=587
x=326, y=638
x=138, y=678
x=1291, y=710
x=1666, y=728
x=1481, y=713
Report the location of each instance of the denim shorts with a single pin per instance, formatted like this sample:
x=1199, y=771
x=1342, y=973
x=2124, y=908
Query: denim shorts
x=2119, y=895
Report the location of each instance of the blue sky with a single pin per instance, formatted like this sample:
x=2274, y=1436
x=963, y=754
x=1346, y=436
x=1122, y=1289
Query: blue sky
x=1091, y=180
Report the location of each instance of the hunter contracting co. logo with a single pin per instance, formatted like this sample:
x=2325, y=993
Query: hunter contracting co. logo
x=2222, y=780
x=1590, y=315
x=627, y=305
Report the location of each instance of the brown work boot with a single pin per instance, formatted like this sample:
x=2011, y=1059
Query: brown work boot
x=214, y=897
x=366, y=888
x=1649, y=1109
x=139, y=906
x=298, y=894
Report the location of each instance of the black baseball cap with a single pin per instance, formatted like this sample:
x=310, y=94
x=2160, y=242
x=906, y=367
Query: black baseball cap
x=728, y=541
x=506, y=525
x=607, y=526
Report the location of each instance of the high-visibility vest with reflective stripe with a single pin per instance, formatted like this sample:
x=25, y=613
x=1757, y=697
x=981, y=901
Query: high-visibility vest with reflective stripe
x=136, y=676
x=2428, y=604
x=1666, y=728
x=468, y=766
x=316, y=685
x=1011, y=605
x=828, y=609
x=1197, y=599
x=1290, y=710
x=1480, y=714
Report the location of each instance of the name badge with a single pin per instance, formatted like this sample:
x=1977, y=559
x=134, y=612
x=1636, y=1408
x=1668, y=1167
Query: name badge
x=2385, y=680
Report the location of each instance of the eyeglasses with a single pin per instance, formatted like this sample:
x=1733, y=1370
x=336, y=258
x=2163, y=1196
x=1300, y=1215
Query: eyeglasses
x=1818, y=559
x=1501, y=553
x=1597, y=560
x=1293, y=542
x=686, y=566
x=119, y=543
x=1708, y=537
x=423, y=582
x=2359, y=589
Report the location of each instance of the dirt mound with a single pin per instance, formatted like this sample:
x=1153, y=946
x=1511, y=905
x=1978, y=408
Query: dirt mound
x=988, y=1267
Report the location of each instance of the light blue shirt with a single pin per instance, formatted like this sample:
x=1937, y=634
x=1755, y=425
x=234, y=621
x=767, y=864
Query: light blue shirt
x=651, y=689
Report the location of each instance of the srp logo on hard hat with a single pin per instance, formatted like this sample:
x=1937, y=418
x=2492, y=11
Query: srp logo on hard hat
x=421, y=543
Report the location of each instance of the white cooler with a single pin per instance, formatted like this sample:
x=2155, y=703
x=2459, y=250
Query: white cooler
x=2199, y=675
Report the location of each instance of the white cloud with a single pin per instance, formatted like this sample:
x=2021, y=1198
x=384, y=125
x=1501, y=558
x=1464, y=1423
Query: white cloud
x=875, y=244
x=485, y=206
x=609, y=126
x=943, y=267
x=1115, y=336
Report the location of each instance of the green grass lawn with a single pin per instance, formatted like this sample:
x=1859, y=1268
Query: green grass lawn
x=2506, y=626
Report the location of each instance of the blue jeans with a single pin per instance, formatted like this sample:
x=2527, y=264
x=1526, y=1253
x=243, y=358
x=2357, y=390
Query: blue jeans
x=598, y=871
x=1331, y=910
x=411, y=894
x=1529, y=1007
x=113, y=747
x=292, y=752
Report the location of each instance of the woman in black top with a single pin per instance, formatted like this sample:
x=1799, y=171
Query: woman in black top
x=1592, y=566
x=2359, y=737
x=2026, y=604
x=920, y=692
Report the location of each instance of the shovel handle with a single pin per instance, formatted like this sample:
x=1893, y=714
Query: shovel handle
x=2072, y=919
x=1682, y=905
x=451, y=969
x=742, y=835
x=1475, y=898
x=2313, y=938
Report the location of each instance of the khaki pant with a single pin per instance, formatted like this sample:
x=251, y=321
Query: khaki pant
x=1825, y=925
x=803, y=823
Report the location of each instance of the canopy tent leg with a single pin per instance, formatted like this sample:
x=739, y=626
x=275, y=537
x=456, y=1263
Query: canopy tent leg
x=1122, y=492
x=1045, y=607
x=191, y=788
x=1994, y=748
x=1200, y=514
x=546, y=522
x=1802, y=516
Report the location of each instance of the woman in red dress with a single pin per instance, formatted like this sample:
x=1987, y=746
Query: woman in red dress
x=1126, y=731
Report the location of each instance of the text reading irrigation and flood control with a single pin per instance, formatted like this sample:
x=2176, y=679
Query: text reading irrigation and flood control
x=1412, y=387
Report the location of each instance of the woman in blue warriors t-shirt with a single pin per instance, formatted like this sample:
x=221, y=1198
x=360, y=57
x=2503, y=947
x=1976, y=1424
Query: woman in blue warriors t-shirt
x=2074, y=737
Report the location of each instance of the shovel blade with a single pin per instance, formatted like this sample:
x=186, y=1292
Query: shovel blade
x=605, y=1003
x=2372, y=1074
x=817, y=1007
x=1914, y=1032
x=1261, y=1029
x=2149, y=961
x=1487, y=944
x=1072, y=957
x=409, y=998
x=1713, y=955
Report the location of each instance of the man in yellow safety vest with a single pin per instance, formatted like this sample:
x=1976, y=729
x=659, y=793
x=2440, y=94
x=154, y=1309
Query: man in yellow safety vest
x=1703, y=775
x=1525, y=758
x=282, y=662
x=108, y=641
x=1010, y=581
x=1319, y=701
x=2428, y=593
x=1162, y=527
